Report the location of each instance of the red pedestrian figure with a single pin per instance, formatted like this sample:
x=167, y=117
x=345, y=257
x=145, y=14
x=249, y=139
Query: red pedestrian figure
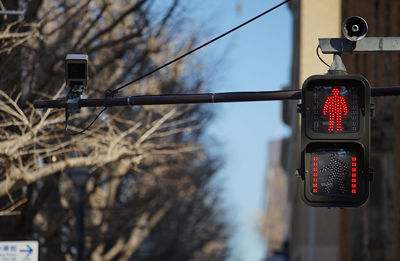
x=335, y=105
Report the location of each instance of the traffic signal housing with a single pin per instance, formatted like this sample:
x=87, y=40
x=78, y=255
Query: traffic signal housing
x=335, y=138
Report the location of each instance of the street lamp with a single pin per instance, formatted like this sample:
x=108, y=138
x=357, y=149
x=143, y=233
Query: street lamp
x=80, y=176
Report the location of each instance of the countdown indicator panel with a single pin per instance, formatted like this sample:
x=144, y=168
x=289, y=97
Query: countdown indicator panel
x=335, y=109
x=334, y=172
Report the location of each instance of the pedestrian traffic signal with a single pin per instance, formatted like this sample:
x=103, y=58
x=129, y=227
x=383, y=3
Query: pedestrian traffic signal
x=335, y=137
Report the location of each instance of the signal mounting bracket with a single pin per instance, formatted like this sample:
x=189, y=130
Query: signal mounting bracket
x=338, y=46
x=337, y=66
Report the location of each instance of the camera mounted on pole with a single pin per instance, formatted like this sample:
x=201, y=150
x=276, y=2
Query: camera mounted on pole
x=76, y=79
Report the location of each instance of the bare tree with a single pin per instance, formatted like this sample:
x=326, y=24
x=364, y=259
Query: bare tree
x=149, y=170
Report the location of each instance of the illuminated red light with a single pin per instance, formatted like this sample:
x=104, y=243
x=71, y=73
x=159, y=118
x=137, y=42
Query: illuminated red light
x=354, y=175
x=335, y=106
x=315, y=174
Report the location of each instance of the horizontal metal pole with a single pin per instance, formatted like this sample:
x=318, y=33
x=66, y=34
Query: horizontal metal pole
x=385, y=91
x=367, y=44
x=196, y=98
x=176, y=99
x=11, y=12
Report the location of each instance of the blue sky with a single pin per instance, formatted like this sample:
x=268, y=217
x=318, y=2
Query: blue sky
x=257, y=57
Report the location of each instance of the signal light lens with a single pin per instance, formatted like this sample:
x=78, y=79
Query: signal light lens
x=334, y=175
x=335, y=109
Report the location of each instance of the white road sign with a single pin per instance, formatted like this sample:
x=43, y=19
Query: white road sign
x=19, y=251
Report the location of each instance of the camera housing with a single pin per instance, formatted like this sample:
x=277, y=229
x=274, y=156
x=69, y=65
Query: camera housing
x=355, y=28
x=76, y=78
x=76, y=70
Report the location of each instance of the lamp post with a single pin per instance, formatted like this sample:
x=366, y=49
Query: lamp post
x=79, y=176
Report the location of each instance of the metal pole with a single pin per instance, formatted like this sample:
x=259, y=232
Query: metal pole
x=366, y=45
x=79, y=176
x=12, y=12
x=80, y=225
x=196, y=98
x=175, y=99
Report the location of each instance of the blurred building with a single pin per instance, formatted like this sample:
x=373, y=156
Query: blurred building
x=275, y=221
x=371, y=232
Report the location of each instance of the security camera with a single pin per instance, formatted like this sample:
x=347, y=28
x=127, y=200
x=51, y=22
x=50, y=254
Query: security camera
x=76, y=72
x=76, y=78
x=355, y=28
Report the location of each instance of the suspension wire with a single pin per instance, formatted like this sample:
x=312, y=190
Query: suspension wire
x=111, y=93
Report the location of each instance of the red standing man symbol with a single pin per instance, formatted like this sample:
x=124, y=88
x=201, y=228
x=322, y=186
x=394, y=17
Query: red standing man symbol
x=335, y=106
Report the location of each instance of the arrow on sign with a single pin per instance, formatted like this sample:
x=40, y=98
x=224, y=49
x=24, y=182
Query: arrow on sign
x=29, y=250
